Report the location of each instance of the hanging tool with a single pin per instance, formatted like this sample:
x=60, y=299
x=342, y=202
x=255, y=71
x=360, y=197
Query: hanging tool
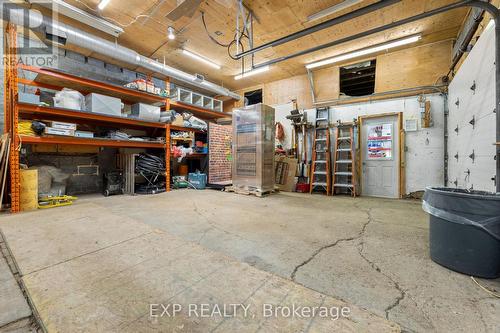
x=320, y=171
x=299, y=124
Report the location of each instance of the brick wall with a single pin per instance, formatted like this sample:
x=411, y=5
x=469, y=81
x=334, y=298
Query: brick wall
x=220, y=138
x=3, y=85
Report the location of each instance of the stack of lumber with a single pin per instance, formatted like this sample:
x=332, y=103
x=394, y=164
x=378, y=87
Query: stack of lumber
x=4, y=163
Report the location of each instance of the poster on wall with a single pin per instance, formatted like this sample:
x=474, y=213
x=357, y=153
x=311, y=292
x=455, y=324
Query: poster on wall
x=380, y=142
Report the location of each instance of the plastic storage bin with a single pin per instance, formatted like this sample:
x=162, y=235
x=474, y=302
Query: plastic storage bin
x=199, y=180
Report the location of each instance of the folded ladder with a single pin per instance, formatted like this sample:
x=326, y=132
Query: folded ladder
x=344, y=171
x=320, y=170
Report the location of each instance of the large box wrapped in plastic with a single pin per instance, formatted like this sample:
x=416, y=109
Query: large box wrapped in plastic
x=146, y=112
x=97, y=103
x=253, y=147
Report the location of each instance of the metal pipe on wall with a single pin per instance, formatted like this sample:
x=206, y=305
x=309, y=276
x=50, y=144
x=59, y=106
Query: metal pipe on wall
x=36, y=21
x=438, y=89
x=366, y=33
x=320, y=26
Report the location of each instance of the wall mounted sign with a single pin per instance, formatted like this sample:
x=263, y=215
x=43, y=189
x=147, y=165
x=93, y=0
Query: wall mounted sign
x=380, y=142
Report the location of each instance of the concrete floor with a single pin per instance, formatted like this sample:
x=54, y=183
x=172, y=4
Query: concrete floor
x=15, y=314
x=372, y=253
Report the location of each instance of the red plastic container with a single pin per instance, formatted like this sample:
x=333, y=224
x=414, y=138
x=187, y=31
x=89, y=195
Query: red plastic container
x=302, y=188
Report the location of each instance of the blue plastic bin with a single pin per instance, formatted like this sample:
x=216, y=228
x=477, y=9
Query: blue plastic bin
x=199, y=180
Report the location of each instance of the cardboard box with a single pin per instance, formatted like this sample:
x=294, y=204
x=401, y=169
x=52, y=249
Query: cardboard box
x=29, y=189
x=61, y=125
x=150, y=87
x=141, y=85
x=179, y=120
x=107, y=105
x=59, y=131
x=285, y=170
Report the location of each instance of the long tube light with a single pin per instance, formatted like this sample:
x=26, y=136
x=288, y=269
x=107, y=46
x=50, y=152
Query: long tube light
x=64, y=8
x=202, y=59
x=365, y=51
x=333, y=9
x=252, y=72
x=103, y=4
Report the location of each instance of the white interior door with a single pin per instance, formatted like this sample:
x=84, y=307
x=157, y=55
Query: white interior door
x=380, y=157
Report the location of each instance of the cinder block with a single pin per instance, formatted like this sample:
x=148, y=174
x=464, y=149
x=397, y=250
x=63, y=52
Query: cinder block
x=159, y=83
x=75, y=56
x=95, y=63
x=129, y=75
x=113, y=68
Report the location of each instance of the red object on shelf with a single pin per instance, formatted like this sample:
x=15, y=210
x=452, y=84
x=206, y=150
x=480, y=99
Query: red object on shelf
x=375, y=149
x=302, y=188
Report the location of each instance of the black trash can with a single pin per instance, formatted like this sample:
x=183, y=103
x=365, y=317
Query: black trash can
x=464, y=230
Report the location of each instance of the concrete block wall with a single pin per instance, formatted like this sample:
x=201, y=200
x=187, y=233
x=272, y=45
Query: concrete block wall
x=220, y=138
x=85, y=170
x=78, y=182
x=424, y=147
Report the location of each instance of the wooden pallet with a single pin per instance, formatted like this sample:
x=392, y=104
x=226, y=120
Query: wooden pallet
x=249, y=191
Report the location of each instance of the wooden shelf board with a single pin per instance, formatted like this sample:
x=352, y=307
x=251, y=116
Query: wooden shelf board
x=185, y=129
x=55, y=78
x=197, y=155
x=51, y=113
x=197, y=111
x=100, y=142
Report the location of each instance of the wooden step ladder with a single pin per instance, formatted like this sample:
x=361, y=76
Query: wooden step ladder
x=344, y=170
x=320, y=169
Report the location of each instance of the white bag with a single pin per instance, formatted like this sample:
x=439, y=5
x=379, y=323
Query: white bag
x=69, y=99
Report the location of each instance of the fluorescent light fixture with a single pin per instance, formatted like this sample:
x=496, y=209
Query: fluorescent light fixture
x=252, y=72
x=103, y=4
x=200, y=58
x=171, y=33
x=333, y=9
x=82, y=16
x=365, y=51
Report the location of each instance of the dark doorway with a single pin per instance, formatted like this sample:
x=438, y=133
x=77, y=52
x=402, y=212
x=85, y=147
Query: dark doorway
x=253, y=97
x=358, y=79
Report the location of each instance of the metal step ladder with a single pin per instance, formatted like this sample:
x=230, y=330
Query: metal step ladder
x=344, y=170
x=320, y=169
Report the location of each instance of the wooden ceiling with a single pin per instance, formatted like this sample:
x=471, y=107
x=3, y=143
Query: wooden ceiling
x=148, y=35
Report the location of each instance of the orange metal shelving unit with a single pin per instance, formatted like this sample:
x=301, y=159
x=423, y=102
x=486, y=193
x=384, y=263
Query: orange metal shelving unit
x=56, y=80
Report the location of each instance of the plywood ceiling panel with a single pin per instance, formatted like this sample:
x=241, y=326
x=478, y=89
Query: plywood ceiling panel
x=147, y=34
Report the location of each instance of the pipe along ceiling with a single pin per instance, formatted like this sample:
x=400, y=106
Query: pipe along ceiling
x=35, y=21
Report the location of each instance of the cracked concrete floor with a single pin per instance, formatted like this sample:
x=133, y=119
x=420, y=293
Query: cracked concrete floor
x=369, y=252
